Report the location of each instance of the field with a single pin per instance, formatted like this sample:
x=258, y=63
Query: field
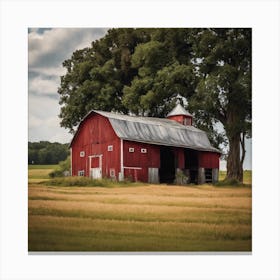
x=140, y=218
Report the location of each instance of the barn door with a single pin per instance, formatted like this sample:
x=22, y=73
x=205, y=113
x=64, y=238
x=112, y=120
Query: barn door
x=95, y=166
x=96, y=173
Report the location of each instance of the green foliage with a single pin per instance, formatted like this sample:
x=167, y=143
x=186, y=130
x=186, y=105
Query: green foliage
x=145, y=71
x=63, y=166
x=45, y=152
x=88, y=182
x=181, y=178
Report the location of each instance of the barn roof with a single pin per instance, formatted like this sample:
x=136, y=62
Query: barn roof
x=158, y=131
x=179, y=110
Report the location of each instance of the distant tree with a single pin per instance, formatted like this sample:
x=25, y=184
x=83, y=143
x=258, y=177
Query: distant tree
x=44, y=152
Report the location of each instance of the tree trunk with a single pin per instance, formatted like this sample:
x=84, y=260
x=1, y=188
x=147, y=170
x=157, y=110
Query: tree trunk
x=242, y=142
x=234, y=167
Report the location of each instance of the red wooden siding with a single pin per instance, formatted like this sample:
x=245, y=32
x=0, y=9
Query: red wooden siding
x=209, y=160
x=180, y=156
x=94, y=136
x=141, y=161
x=180, y=119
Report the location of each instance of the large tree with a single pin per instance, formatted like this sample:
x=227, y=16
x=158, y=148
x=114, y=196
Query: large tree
x=96, y=75
x=223, y=94
x=145, y=71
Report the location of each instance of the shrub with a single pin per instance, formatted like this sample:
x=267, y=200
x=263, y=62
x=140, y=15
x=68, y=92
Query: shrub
x=181, y=178
x=63, y=166
x=80, y=181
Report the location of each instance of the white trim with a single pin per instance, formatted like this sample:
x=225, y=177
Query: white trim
x=128, y=167
x=131, y=150
x=112, y=172
x=122, y=173
x=71, y=164
x=82, y=153
x=144, y=150
x=100, y=161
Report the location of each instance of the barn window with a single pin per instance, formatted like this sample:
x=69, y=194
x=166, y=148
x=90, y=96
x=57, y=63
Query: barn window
x=131, y=150
x=112, y=172
x=81, y=173
x=82, y=154
x=143, y=151
x=110, y=148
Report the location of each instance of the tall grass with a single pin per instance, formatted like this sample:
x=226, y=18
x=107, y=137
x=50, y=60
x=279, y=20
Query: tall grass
x=88, y=182
x=146, y=218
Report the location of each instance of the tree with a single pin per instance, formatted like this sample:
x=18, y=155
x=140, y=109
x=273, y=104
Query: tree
x=96, y=76
x=223, y=63
x=146, y=71
x=44, y=152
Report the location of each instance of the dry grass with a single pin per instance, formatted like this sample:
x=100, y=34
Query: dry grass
x=143, y=218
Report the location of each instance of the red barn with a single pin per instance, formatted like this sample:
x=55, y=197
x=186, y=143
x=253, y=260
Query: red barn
x=143, y=148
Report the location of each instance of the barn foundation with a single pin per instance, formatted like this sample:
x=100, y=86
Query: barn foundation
x=215, y=175
x=201, y=176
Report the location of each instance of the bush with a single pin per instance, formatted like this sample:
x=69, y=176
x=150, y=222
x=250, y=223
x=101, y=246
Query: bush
x=56, y=173
x=181, y=178
x=80, y=181
x=63, y=167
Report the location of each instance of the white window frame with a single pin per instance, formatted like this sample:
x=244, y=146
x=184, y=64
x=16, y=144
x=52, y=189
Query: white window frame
x=81, y=172
x=143, y=150
x=112, y=172
x=131, y=150
x=82, y=153
x=110, y=148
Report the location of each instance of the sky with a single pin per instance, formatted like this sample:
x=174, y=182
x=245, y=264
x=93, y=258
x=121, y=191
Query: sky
x=47, y=49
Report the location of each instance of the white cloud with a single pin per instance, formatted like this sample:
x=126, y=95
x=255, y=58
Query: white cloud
x=42, y=85
x=42, y=107
x=47, y=49
x=49, y=71
x=53, y=46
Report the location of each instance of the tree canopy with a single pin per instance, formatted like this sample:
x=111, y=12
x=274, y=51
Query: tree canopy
x=146, y=71
x=45, y=152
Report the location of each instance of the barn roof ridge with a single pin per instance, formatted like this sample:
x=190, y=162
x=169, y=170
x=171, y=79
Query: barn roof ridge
x=143, y=119
x=157, y=131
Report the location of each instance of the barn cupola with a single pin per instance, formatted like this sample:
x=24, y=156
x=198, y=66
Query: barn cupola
x=180, y=115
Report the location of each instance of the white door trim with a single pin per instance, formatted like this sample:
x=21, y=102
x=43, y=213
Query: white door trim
x=100, y=163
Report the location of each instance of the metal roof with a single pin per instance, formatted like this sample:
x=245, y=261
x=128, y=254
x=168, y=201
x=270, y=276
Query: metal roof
x=179, y=110
x=157, y=131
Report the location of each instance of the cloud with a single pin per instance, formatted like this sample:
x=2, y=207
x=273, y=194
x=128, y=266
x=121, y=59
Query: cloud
x=43, y=85
x=53, y=46
x=43, y=121
x=47, y=49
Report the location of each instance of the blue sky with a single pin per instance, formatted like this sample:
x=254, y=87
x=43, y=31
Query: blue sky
x=47, y=49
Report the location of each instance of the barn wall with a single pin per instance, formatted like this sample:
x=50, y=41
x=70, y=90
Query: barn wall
x=180, y=158
x=209, y=160
x=138, y=162
x=180, y=119
x=93, y=137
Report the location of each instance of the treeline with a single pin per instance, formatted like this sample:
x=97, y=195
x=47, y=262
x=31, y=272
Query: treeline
x=45, y=152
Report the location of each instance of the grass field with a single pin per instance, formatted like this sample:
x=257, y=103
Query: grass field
x=141, y=218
